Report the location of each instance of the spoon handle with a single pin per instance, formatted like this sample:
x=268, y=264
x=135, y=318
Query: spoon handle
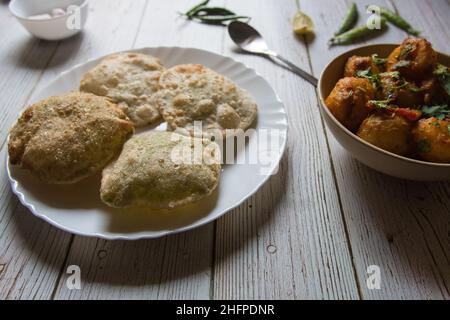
x=302, y=73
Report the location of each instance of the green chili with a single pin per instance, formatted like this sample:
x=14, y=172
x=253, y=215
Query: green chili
x=196, y=7
x=355, y=34
x=219, y=19
x=398, y=21
x=349, y=20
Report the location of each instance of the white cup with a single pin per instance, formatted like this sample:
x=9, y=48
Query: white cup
x=52, y=28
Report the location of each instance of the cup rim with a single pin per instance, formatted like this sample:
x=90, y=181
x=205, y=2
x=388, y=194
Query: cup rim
x=18, y=16
x=354, y=136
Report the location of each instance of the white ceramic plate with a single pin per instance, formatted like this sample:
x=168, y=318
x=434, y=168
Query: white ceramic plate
x=77, y=208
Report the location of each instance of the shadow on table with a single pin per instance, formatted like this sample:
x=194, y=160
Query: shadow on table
x=151, y=262
x=403, y=227
x=62, y=202
x=32, y=53
x=306, y=39
x=186, y=255
x=271, y=59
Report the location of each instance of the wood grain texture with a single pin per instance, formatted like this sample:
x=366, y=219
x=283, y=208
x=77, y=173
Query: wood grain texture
x=287, y=241
x=310, y=232
x=32, y=251
x=398, y=225
x=175, y=267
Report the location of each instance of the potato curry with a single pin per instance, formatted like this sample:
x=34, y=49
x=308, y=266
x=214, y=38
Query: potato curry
x=399, y=103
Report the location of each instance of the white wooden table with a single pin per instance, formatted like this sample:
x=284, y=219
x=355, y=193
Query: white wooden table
x=310, y=232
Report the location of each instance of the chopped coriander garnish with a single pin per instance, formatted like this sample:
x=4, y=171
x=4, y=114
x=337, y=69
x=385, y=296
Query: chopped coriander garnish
x=379, y=62
x=401, y=64
x=364, y=73
x=393, y=74
x=443, y=75
x=350, y=94
x=439, y=112
x=441, y=70
x=448, y=129
x=406, y=50
x=424, y=146
x=379, y=104
x=372, y=77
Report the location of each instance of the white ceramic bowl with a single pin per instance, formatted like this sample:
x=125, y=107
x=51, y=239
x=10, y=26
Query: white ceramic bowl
x=372, y=156
x=56, y=28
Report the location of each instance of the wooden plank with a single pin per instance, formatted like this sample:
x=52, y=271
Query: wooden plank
x=175, y=267
x=32, y=251
x=399, y=225
x=434, y=24
x=23, y=60
x=288, y=241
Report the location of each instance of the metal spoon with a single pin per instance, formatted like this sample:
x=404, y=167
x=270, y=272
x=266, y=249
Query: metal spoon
x=250, y=40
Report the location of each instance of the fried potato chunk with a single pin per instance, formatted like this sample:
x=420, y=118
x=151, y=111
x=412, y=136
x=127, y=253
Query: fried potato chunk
x=389, y=132
x=347, y=101
x=414, y=59
x=63, y=139
x=357, y=63
x=432, y=138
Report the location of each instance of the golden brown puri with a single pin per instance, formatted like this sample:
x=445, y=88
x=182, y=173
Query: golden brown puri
x=192, y=92
x=388, y=131
x=357, y=63
x=414, y=58
x=63, y=139
x=347, y=101
x=130, y=80
x=152, y=172
x=432, y=138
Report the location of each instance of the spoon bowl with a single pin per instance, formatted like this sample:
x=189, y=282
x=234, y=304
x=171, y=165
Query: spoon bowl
x=250, y=40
